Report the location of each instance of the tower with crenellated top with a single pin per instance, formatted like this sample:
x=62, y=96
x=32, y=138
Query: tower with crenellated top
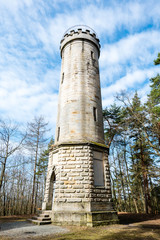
x=78, y=189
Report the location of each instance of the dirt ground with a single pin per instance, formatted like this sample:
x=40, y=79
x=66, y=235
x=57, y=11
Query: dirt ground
x=131, y=227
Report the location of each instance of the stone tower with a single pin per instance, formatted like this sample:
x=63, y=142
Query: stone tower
x=78, y=189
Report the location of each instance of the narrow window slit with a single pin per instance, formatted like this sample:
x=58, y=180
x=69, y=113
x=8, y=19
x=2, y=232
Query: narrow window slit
x=58, y=134
x=92, y=55
x=62, y=77
x=95, y=113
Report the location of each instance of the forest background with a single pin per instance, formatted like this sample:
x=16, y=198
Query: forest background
x=132, y=133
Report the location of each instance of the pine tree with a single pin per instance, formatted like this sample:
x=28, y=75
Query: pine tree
x=153, y=104
x=43, y=160
x=141, y=157
x=113, y=122
x=157, y=61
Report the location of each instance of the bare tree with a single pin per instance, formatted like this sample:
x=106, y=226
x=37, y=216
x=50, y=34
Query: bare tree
x=10, y=141
x=35, y=142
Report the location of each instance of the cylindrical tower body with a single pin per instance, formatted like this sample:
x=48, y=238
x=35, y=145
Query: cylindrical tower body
x=79, y=108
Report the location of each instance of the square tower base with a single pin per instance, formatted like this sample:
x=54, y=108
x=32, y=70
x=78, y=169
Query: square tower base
x=81, y=193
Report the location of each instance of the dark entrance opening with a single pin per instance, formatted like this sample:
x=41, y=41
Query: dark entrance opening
x=51, y=191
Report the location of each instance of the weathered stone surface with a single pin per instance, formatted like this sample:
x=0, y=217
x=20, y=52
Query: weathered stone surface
x=79, y=92
x=81, y=193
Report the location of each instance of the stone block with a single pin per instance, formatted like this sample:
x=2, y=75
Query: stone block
x=70, y=191
x=74, y=200
x=79, y=186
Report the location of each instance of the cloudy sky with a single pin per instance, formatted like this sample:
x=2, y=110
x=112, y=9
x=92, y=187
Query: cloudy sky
x=30, y=33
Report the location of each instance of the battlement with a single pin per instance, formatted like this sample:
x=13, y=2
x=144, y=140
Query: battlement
x=79, y=32
x=80, y=29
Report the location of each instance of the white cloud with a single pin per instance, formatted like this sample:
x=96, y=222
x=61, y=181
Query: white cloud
x=49, y=30
x=129, y=54
x=143, y=92
x=129, y=81
x=14, y=6
x=21, y=100
x=140, y=47
x=29, y=49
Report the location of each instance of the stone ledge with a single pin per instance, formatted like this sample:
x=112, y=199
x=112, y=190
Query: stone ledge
x=78, y=143
x=90, y=219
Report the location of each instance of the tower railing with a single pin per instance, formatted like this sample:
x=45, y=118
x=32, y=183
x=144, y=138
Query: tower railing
x=83, y=27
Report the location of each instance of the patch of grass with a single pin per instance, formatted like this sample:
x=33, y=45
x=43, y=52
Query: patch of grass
x=104, y=233
x=5, y=238
x=142, y=228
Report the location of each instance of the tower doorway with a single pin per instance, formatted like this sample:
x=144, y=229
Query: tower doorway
x=51, y=191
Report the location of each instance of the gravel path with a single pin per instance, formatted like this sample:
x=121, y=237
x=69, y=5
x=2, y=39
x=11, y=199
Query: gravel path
x=25, y=230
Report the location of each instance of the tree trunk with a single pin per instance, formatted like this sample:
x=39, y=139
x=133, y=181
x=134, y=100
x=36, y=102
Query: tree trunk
x=134, y=199
x=34, y=177
x=122, y=182
x=2, y=173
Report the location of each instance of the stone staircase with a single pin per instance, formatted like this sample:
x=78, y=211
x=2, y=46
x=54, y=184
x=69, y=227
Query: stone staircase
x=41, y=219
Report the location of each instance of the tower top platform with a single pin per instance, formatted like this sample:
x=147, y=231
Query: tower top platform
x=82, y=27
x=79, y=32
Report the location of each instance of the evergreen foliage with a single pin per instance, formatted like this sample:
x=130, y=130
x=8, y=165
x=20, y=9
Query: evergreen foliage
x=133, y=131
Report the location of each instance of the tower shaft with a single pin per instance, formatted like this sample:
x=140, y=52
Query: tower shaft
x=80, y=109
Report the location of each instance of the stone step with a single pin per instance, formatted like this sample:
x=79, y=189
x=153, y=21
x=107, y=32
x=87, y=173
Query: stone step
x=48, y=212
x=43, y=215
x=39, y=222
x=41, y=218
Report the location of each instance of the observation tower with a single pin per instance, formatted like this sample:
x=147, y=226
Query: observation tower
x=78, y=189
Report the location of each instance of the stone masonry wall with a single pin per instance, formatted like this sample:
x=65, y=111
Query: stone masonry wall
x=75, y=190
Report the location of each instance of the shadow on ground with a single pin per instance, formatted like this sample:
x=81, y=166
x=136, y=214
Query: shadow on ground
x=16, y=224
x=127, y=218
x=131, y=227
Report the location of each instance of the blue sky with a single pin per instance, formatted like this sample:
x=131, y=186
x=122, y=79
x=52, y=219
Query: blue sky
x=30, y=34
